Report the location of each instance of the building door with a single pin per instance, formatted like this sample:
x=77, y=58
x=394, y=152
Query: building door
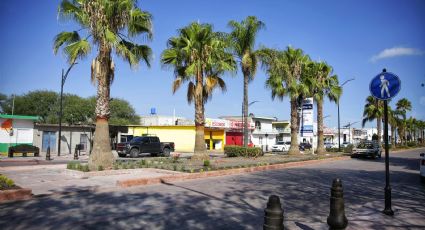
x=83, y=142
x=234, y=138
x=49, y=140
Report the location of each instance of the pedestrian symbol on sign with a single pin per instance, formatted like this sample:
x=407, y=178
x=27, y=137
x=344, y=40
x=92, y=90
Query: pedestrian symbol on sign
x=384, y=86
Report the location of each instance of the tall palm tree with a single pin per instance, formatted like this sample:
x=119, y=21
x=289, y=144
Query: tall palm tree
x=322, y=84
x=199, y=57
x=110, y=25
x=286, y=72
x=242, y=40
x=374, y=110
x=403, y=105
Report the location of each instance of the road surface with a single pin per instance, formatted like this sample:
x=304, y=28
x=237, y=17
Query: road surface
x=238, y=202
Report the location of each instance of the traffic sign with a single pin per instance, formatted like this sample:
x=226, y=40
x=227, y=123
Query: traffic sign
x=385, y=86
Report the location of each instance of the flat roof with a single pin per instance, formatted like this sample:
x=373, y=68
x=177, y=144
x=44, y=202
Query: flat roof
x=22, y=117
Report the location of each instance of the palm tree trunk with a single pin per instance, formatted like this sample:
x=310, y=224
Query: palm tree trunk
x=379, y=127
x=102, y=154
x=199, y=151
x=392, y=137
x=245, y=108
x=293, y=150
x=320, y=142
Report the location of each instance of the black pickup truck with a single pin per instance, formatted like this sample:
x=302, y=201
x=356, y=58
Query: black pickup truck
x=145, y=144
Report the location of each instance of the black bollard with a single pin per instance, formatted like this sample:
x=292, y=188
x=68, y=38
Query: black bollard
x=75, y=153
x=337, y=218
x=273, y=214
x=48, y=154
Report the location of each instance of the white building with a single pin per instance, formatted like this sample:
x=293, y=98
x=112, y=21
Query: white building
x=15, y=130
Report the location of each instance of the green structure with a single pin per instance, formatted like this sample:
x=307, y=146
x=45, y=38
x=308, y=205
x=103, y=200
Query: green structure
x=15, y=130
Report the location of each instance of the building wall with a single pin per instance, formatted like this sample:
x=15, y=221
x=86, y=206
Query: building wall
x=22, y=134
x=182, y=136
x=71, y=136
x=215, y=138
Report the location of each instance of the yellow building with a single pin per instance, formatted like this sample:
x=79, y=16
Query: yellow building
x=182, y=136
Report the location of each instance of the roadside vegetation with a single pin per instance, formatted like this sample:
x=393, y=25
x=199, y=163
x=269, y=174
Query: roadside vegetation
x=6, y=183
x=212, y=164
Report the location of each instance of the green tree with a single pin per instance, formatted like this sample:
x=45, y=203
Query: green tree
x=242, y=40
x=322, y=83
x=122, y=113
x=403, y=105
x=287, y=71
x=374, y=110
x=40, y=103
x=199, y=57
x=3, y=99
x=111, y=25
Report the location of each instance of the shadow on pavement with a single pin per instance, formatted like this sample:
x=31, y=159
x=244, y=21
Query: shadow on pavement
x=233, y=202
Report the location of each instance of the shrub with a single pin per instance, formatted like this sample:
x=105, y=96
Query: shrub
x=332, y=150
x=207, y=163
x=349, y=148
x=100, y=168
x=6, y=183
x=116, y=166
x=411, y=144
x=236, y=151
x=72, y=165
x=85, y=168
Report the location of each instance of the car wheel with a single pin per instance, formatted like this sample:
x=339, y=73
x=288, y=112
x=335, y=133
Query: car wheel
x=134, y=153
x=166, y=152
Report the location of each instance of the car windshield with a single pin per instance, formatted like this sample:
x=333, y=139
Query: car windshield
x=365, y=145
x=280, y=143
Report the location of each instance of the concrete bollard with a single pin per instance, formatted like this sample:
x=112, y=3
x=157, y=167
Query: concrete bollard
x=48, y=154
x=273, y=214
x=337, y=218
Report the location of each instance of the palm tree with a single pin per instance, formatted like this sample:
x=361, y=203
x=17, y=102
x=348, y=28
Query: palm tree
x=242, y=40
x=111, y=26
x=322, y=84
x=393, y=121
x=199, y=57
x=374, y=110
x=286, y=72
x=403, y=105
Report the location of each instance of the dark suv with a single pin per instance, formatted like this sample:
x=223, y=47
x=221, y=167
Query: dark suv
x=147, y=144
x=304, y=145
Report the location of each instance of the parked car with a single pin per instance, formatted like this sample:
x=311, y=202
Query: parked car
x=422, y=167
x=304, y=145
x=345, y=144
x=145, y=144
x=280, y=146
x=367, y=149
x=330, y=145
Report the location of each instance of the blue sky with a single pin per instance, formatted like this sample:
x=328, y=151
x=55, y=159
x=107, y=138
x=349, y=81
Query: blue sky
x=358, y=38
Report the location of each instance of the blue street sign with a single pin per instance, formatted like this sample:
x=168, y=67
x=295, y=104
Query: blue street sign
x=385, y=86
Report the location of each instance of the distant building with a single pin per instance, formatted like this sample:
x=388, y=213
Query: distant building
x=16, y=130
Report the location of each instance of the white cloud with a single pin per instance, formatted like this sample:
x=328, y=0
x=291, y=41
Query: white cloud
x=422, y=100
x=396, y=51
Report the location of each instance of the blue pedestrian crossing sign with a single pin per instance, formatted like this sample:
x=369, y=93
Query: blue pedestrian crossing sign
x=385, y=86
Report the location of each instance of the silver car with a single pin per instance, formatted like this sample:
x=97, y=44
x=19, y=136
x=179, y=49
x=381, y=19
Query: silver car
x=367, y=149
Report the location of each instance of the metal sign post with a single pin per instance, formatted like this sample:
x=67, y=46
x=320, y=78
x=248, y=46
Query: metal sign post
x=384, y=87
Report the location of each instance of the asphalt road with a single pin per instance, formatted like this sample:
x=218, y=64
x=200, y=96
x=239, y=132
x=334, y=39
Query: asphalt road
x=237, y=202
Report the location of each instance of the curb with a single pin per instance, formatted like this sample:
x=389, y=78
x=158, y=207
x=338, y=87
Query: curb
x=15, y=194
x=226, y=172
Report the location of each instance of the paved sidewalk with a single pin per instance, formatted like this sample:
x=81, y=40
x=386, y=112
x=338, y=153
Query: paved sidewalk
x=49, y=179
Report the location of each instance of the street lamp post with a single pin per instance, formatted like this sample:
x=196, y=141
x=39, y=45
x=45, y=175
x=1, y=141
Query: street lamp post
x=64, y=76
x=339, y=124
